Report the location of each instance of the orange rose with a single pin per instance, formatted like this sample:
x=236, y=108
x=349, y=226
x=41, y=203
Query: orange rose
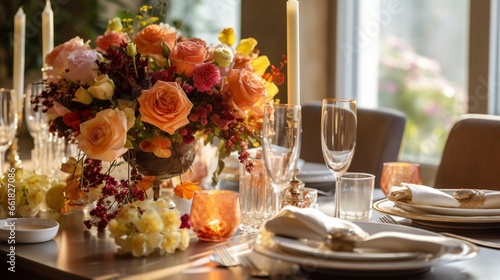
x=247, y=90
x=149, y=40
x=104, y=136
x=186, y=55
x=165, y=106
x=111, y=38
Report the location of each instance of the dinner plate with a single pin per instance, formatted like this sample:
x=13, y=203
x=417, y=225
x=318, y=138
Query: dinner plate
x=314, y=248
x=449, y=211
x=28, y=230
x=265, y=245
x=389, y=207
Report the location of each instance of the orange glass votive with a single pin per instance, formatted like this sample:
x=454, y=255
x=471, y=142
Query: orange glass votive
x=395, y=173
x=215, y=214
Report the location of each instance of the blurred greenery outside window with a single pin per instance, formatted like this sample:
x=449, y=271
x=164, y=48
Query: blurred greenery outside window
x=421, y=65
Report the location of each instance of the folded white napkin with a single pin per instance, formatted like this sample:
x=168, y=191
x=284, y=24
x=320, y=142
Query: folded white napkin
x=425, y=195
x=311, y=223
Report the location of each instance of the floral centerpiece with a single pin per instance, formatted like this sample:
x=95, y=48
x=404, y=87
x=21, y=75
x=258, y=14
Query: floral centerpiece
x=147, y=89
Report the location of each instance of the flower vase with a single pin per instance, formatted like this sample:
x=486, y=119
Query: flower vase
x=148, y=164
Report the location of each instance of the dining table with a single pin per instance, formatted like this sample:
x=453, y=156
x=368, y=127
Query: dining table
x=79, y=253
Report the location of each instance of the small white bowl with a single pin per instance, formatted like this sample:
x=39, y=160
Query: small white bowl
x=28, y=230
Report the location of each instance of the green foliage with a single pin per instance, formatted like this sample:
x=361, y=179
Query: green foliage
x=414, y=85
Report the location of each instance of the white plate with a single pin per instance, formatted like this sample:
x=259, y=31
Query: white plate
x=313, y=248
x=28, y=230
x=270, y=249
x=450, y=211
x=388, y=207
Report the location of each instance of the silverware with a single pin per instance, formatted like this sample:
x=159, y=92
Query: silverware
x=252, y=268
x=222, y=257
x=473, y=240
x=386, y=219
x=390, y=220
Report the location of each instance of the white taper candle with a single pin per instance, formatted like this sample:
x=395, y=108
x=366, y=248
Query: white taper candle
x=293, y=52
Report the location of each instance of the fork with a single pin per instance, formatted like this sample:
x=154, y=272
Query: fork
x=222, y=257
x=386, y=219
x=390, y=220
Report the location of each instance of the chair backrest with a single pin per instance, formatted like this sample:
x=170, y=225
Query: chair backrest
x=380, y=133
x=471, y=155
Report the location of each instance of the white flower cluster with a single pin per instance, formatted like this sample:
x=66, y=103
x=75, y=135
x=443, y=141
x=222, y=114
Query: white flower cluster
x=30, y=192
x=142, y=227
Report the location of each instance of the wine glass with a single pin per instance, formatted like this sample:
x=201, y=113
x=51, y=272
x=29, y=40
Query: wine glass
x=37, y=123
x=338, y=138
x=8, y=121
x=281, y=134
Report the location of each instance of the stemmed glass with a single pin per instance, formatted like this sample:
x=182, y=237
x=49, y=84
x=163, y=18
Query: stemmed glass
x=8, y=122
x=281, y=134
x=338, y=138
x=36, y=122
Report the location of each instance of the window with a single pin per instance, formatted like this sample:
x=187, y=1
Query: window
x=410, y=55
x=205, y=18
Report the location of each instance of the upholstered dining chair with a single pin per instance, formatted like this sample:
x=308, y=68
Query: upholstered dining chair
x=471, y=155
x=379, y=137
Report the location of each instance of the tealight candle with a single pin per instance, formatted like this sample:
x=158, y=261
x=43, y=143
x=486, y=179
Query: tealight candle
x=215, y=214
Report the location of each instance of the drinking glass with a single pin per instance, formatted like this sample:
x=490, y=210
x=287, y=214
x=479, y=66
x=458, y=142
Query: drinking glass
x=281, y=134
x=338, y=138
x=8, y=122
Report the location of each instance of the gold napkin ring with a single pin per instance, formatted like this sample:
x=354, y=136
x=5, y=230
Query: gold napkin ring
x=470, y=199
x=343, y=239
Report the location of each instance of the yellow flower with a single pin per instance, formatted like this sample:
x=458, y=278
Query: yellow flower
x=271, y=88
x=117, y=229
x=171, y=241
x=260, y=65
x=150, y=221
x=171, y=219
x=114, y=24
x=184, y=243
x=226, y=36
x=246, y=46
x=103, y=89
x=83, y=96
x=137, y=244
x=35, y=196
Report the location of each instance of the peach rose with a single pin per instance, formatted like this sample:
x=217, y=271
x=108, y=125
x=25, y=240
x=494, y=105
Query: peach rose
x=104, y=136
x=149, y=40
x=57, y=57
x=165, y=106
x=111, y=38
x=186, y=55
x=247, y=90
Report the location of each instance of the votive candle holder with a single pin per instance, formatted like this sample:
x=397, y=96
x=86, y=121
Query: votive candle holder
x=215, y=214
